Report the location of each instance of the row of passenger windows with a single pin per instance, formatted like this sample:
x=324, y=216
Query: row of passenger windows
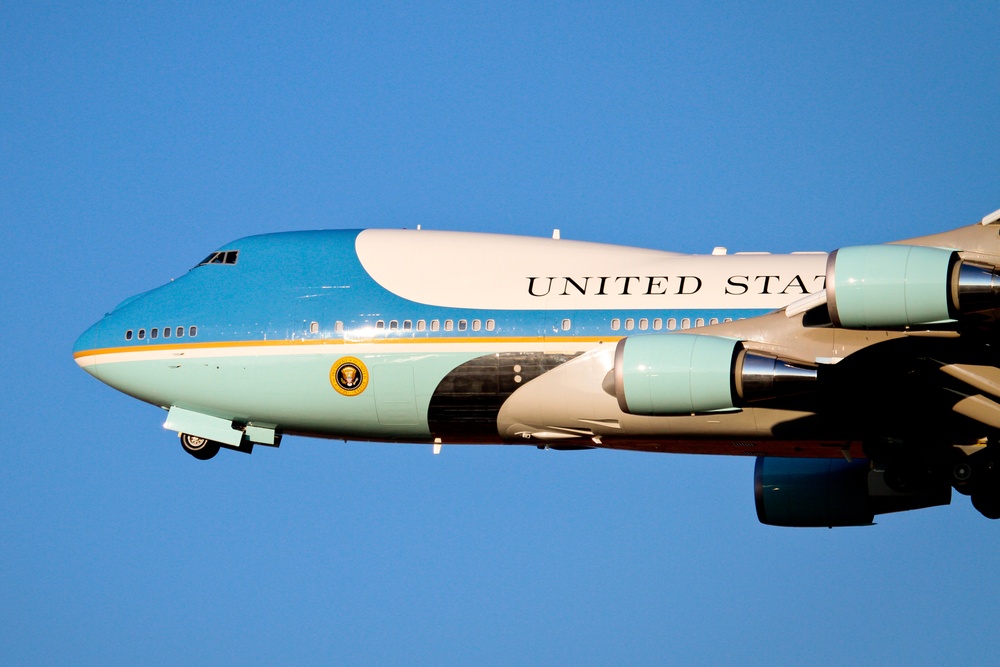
x=448, y=325
x=166, y=332
x=657, y=322
x=564, y=325
x=419, y=325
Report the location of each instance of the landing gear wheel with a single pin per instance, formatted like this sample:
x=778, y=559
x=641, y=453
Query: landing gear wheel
x=988, y=504
x=200, y=448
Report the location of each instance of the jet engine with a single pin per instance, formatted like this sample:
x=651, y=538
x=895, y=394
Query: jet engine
x=682, y=374
x=831, y=492
x=888, y=286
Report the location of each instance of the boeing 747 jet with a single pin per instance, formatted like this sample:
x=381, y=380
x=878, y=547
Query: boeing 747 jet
x=864, y=381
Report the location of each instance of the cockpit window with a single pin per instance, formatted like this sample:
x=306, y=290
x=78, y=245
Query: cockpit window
x=221, y=257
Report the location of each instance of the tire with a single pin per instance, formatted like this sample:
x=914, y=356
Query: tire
x=200, y=448
x=988, y=503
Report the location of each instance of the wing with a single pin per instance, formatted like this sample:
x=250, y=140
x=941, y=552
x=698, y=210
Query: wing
x=885, y=385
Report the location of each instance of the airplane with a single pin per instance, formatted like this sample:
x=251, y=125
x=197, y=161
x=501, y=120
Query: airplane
x=864, y=381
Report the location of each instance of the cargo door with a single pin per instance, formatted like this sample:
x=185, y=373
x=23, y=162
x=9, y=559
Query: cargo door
x=395, y=395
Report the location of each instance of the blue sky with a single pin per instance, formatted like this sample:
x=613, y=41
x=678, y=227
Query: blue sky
x=137, y=139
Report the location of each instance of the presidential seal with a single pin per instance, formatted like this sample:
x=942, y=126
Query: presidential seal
x=349, y=376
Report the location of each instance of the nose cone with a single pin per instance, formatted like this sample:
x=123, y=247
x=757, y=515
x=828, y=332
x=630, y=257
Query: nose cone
x=86, y=346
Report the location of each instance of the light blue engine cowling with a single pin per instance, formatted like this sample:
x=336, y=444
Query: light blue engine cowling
x=882, y=286
x=827, y=493
x=683, y=374
x=675, y=374
x=812, y=492
x=892, y=286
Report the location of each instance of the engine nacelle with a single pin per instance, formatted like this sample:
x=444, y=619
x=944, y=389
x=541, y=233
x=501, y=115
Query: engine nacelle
x=683, y=374
x=889, y=286
x=826, y=493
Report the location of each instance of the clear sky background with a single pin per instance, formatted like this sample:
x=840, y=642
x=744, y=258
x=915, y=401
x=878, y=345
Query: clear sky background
x=136, y=138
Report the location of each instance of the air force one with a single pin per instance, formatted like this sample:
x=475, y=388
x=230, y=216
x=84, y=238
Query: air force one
x=864, y=381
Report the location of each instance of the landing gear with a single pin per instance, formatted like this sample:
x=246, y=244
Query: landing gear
x=200, y=448
x=978, y=476
x=909, y=469
x=985, y=487
x=987, y=502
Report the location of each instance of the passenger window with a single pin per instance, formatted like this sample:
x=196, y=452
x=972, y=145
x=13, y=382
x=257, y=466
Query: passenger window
x=462, y=325
x=421, y=325
x=671, y=324
x=407, y=325
x=629, y=324
x=166, y=332
x=338, y=327
x=142, y=334
x=128, y=335
x=435, y=325
x=728, y=319
x=154, y=333
x=700, y=322
x=192, y=331
x=477, y=325
x=643, y=324
x=380, y=325
x=393, y=325
x=180, y=332
x=657, y=323
x=566, y=325
x=448, y=325
x=314, y=327
x=490, y=325
x=686, y=323
x=714, y=320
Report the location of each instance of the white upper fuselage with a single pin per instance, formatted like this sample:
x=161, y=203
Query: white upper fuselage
x=499, y=272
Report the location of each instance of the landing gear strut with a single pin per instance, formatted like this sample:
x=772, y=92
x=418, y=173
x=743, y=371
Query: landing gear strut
x=200, y=448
